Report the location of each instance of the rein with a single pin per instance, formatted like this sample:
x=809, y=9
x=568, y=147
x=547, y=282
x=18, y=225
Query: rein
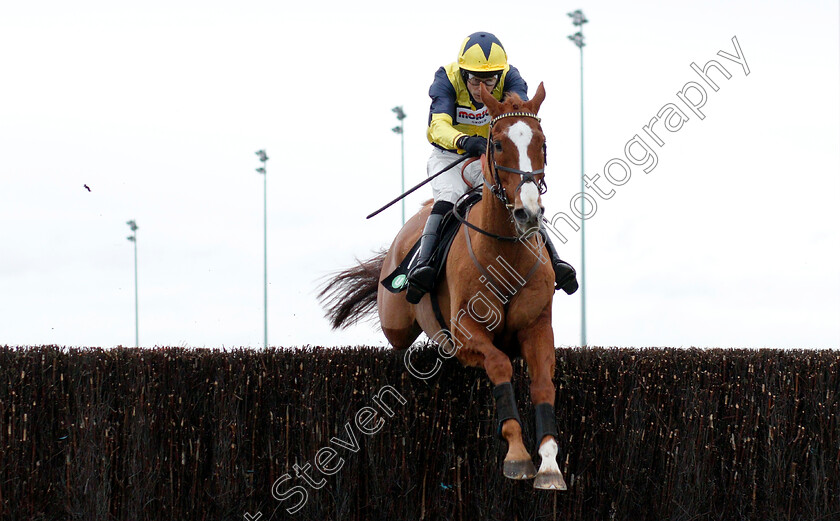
x=464, y=167
x=463, y=220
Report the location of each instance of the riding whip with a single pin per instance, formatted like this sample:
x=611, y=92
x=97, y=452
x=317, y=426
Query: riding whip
x=459, y=160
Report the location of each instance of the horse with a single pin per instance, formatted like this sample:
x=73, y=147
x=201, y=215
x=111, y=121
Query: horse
x=494, y=296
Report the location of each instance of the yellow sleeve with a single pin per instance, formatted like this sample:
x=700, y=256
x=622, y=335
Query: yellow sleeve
x=442, y=133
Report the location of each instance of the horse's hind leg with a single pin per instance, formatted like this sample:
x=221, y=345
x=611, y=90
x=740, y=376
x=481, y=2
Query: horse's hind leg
x=538, y=350
x=402, y=338
x=397, y=319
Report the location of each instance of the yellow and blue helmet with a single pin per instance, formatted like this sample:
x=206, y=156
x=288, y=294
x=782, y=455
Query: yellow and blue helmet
x=482, y=53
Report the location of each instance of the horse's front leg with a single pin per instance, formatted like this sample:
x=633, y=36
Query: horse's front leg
x=517, y=463
x=537, y=344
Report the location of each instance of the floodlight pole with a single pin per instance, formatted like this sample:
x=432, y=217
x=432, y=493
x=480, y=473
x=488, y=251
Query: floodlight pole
x=133, y=238
x=399, y=130
x=578, y=19
x=261, y=170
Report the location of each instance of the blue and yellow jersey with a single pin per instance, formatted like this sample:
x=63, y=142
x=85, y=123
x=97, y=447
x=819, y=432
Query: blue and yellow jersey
x=454, y=112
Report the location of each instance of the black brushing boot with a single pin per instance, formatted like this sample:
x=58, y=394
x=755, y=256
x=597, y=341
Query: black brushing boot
x=565, y=276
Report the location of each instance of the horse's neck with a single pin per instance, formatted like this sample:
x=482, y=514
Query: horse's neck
x=492, y=215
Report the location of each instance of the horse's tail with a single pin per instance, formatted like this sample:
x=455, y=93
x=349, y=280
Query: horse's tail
x=350, y=295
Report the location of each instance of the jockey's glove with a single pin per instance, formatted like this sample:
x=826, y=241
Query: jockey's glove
x=474, y=145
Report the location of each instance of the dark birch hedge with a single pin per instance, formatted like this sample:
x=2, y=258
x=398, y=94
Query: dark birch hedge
x=350, y=434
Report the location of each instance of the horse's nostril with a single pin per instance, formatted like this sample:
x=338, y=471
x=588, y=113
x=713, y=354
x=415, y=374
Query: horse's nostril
x=520, y=214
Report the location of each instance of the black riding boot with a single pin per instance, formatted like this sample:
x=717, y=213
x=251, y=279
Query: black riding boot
x=421, y=276
x=564, y=274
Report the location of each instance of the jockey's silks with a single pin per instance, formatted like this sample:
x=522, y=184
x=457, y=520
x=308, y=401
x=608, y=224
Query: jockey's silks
x=455, y=113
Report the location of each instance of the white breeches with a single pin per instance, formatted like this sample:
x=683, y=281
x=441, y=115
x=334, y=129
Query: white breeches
x=449, y=186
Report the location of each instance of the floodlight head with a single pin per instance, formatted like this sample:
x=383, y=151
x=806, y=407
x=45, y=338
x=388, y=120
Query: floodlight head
x=131, y=238
x=578, y=39
x=262, y=155
x=260, y=170
x=399, y=112
x=577, y=17
x=131, y=224
x=397, y=130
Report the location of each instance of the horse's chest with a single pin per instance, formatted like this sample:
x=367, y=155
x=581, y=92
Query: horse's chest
x=524, y=308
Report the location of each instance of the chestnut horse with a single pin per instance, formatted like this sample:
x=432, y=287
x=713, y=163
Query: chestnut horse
x=496, y=291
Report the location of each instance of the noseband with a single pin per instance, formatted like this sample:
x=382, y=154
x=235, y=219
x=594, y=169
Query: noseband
x=527, y=177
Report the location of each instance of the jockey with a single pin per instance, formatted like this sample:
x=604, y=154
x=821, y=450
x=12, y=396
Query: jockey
x=458, y=125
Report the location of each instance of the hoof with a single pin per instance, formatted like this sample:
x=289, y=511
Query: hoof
x=550, y=481
x=520, y=469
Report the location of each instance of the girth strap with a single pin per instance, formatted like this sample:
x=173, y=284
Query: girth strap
x=439, y=314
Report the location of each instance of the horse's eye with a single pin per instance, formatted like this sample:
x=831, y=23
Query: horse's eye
x=498, y=146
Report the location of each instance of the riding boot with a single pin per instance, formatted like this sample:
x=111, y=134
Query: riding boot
x=421, y=276
x=565, y=276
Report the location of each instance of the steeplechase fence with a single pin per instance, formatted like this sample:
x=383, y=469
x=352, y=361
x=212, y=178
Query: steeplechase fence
x=350, y=434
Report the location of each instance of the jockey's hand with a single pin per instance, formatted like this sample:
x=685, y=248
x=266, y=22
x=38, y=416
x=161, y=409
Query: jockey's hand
x=475, y=146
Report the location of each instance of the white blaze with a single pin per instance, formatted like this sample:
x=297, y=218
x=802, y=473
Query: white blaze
x=520, y=134
x=529, y=195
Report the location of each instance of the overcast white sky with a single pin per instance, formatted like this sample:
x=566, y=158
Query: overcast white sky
x=732, y=240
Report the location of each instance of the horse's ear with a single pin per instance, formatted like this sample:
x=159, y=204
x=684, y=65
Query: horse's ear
x=493, y=106
x=537, y=100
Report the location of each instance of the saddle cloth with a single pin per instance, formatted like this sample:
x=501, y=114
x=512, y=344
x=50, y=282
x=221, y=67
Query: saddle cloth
x=397, y=281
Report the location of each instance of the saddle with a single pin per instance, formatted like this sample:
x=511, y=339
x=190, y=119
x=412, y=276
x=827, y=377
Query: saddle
x=397, y=281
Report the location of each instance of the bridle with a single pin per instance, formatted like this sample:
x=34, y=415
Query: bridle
x=497, y=188
x=527, y=177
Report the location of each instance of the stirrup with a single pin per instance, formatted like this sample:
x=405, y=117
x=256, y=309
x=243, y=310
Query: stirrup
x=421, y=280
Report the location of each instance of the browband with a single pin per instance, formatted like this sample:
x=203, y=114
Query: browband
x=511, y=114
